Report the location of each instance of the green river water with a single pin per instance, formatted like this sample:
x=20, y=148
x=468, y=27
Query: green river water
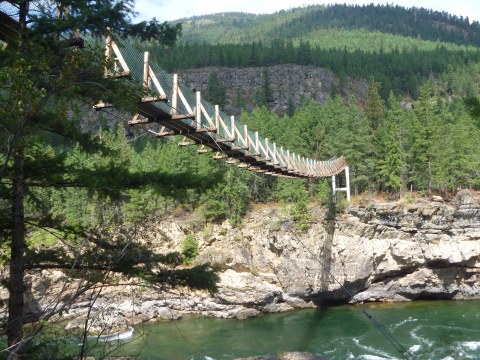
x=445, y=330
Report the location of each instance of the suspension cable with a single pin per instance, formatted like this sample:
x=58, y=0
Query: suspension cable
x=380, y=327
x=397, y=345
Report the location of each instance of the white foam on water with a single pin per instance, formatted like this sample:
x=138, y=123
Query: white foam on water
x=113, y=337
x=329, y=351
x=455, y=328
x=448, y=358
x=378, y=354
x=414, y=348
x=471, y=345
x=403, y=322
x=420, y=339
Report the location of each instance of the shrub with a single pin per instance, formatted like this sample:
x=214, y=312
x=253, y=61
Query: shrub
x=189, y=248
x=408, y=198
x=300, y=215
x=295, y=194
x=214, y=210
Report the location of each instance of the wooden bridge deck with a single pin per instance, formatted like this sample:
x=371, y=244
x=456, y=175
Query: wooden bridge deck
x=185, y=113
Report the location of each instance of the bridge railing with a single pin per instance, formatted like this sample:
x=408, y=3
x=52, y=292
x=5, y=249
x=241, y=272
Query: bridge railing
x=189, y=114
x=187, y=107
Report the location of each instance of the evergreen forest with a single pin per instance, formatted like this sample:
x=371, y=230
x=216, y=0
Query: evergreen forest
x=69, y=175
x=418, y=126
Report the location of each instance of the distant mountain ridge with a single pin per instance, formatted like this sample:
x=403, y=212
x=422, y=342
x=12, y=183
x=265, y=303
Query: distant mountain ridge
x=301, y=22
x=399, y=47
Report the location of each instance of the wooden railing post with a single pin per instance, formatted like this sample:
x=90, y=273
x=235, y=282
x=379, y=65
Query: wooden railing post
x=146, y=66
x=334, y=189
x=108, y=53
x=245, y=132
x=266, y=149
x=217, y=121
x=175, y=95
x=198, y=112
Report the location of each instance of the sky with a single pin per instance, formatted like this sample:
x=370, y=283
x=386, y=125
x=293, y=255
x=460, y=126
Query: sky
x=166, y=10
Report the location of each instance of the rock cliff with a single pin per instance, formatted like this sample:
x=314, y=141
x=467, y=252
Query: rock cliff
x=287, y=83
x=379, y=252
x=383, y=252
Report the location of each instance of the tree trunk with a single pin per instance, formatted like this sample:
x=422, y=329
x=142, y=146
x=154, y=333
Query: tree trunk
x=17, y=261
x=17, y=257
x=429, y=185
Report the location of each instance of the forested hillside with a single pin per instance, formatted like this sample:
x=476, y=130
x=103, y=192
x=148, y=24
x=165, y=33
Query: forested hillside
x=417, y=126
x=300, y=22
x=401, y=71
x=401, y=48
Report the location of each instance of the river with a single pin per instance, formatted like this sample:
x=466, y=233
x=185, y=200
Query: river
x=446, y=330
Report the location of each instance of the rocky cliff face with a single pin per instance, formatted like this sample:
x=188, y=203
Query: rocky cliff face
x=384, y=252
x=287, y=83
x=380, y=252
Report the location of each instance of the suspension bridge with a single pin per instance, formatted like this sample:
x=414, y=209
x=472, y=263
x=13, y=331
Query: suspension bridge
x=177, y=110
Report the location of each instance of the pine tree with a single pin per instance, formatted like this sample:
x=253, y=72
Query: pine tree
x=45, y=74
x=216, y=91
x=390, y=154
x=424, y=139
x=263, y=96
x=458, y=150
x=343, y=130
x=290, y=107
x=374, y=106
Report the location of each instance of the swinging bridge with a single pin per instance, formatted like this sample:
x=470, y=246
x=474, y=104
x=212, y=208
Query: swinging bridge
x=177, y=110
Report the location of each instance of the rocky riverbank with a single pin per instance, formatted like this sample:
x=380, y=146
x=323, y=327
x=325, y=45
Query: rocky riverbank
x=375, y=252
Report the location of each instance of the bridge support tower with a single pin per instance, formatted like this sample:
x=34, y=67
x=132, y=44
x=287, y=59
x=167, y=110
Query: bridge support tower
x=346, y=188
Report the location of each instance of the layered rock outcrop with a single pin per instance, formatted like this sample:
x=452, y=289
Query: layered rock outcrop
x=384, y=252
x=287, y=84
x=378, y=252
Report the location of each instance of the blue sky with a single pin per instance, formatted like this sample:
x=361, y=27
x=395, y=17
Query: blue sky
x=176, y=9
